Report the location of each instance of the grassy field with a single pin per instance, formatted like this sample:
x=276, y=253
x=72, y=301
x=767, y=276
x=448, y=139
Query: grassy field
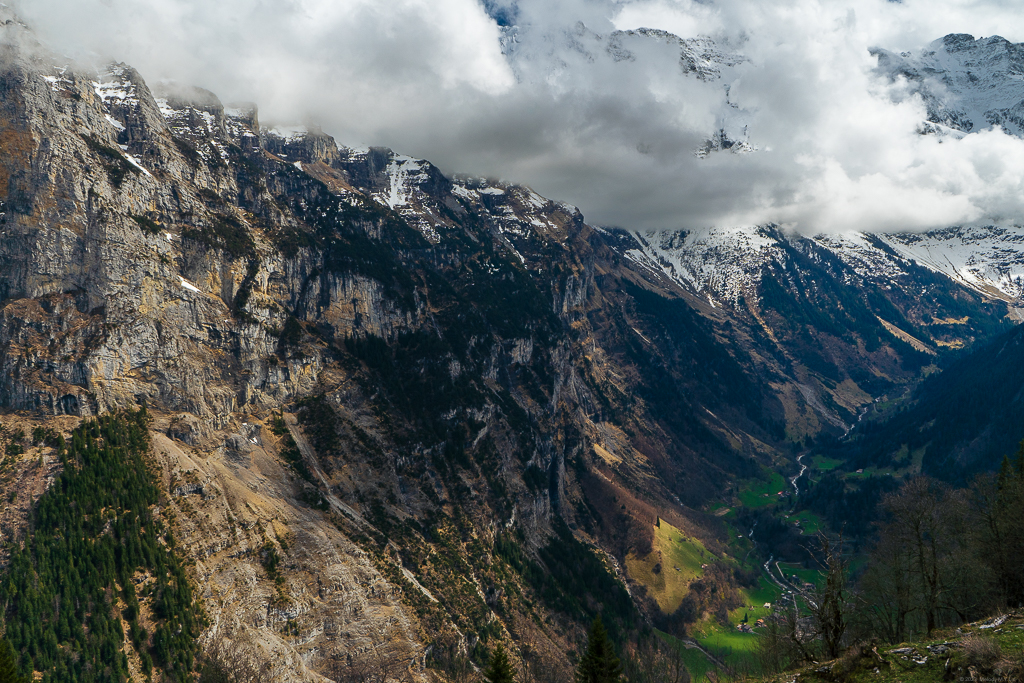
x=760, y=493
x=824, y=464
x=805, y=575
x=765, y=592
x=696, y=663
x=737, y=543
x=725, y=641
x=672, y=564
x=735, y=648
x=754, y=600
x=809, y=522
x=719, y=509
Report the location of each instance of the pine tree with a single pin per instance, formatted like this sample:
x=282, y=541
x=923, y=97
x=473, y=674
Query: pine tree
x=8, y=665
x=599, y=663
x=499, y=669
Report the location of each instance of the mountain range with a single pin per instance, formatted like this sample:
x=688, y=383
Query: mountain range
x=449, y=407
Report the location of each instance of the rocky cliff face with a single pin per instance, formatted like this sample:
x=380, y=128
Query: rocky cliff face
x=433, y=397
x=161, y=248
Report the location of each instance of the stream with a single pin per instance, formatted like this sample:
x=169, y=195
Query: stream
x=794, y=479
x=860, y=416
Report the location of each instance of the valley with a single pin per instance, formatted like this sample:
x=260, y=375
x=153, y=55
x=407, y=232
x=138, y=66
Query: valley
x=387, y=420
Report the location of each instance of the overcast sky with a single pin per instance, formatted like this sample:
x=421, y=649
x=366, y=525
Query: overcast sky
x=611, y=131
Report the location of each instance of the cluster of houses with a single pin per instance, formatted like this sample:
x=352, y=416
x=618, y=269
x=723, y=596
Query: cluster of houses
x=747, y=628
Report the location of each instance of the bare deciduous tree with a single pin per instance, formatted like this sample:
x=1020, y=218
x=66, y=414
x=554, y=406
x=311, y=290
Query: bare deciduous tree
x=931, y=522
x=774, y=649
x=796, y=628
x=654, y=661
x=830, y=605
x=887, y=590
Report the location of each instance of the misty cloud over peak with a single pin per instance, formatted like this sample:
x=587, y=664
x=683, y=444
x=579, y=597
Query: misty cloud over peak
x=647, y=114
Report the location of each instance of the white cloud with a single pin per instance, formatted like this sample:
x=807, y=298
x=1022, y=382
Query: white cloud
x=611, y=131
x=683, y=18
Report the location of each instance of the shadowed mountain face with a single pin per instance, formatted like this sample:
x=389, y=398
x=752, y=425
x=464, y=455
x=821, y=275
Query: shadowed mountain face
x=959, y=422
x=449, y=389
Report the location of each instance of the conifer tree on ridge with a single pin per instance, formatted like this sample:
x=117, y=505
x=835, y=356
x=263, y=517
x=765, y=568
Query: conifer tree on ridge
x=499, y=669
x=599, y=663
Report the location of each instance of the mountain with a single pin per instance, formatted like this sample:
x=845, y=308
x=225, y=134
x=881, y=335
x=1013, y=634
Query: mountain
x=857, y=314
x=393, y=416
x=389, y=410
x=726, y=263
x=967, y=84
x=958, y=423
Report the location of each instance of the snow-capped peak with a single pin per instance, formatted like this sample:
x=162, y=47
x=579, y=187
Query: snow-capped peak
x=967, y=84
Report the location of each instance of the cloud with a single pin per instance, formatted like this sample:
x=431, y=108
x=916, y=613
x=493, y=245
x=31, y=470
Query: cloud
x=606, y=121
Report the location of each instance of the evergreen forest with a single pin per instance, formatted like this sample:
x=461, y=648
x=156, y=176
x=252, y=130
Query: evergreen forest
x=96, y=575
